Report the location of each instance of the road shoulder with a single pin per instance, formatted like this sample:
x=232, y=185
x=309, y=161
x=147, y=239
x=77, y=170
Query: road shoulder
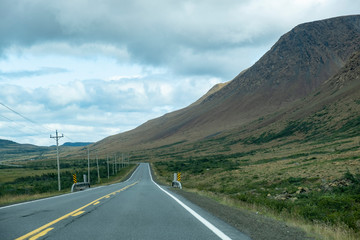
x=257, y=226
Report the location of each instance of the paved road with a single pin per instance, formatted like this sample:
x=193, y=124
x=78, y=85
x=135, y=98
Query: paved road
x=135, y=209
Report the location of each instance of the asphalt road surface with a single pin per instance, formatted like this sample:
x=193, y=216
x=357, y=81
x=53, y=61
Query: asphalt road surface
x=135, y=209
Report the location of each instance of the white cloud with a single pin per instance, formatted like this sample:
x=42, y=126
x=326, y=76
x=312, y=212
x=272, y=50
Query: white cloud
x=83, y=50
x=98, y=107
x=119, y=77
x=65, y=94
x=91, y=68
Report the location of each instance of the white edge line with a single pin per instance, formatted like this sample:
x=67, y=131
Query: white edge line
x=210, y=226
x=63, y=195
x=133, y=173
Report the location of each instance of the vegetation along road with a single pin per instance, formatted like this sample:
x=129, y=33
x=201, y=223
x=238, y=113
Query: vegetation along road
x=135, y=209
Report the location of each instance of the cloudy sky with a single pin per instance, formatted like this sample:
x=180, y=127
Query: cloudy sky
x=94, y=68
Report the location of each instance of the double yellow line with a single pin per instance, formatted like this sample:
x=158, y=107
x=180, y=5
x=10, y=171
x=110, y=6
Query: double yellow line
x=43, y=230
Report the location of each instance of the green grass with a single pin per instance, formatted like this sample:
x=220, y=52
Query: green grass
x=336, y=205
x=39, y=178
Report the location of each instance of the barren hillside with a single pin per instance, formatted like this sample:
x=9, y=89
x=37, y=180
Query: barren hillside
x=295, y=67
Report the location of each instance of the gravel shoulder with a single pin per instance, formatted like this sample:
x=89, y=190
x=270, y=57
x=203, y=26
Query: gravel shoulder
x=256, y=226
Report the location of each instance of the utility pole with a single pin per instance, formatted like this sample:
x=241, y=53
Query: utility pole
x=122, y=159
x=97, y=164
x=116, y=164
x=114, y=167
x=88, y=164
x=57, y=154
x=107, y=161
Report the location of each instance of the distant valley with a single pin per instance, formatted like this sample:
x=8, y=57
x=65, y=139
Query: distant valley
x=10, y=150
x=283, y=135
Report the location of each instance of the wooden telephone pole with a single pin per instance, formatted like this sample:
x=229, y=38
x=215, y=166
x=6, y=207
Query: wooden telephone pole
x=57, y=153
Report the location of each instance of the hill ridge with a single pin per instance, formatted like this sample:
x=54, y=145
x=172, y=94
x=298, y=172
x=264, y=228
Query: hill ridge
x=296, y=66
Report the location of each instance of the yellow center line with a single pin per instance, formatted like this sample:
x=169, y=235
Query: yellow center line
x=78, y=213
x=66, y=216
x=43, y=233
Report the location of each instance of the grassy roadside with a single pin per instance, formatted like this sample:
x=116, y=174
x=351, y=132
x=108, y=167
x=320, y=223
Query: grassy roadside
x=325, y=210
x=30, y=186
x=315, y=230
x=302, y=172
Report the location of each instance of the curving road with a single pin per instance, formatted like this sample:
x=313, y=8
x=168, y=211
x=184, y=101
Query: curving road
x=135, y=209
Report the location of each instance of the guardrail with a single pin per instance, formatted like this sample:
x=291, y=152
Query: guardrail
x=80, y=186
x=176, y=184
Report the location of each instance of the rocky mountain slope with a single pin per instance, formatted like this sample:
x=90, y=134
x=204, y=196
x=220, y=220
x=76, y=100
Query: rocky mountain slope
x=332, y=110
x=297, y=66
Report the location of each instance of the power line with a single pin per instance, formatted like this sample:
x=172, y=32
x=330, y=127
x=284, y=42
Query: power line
x=29, y=120
x=18, y=124
x=11, y=126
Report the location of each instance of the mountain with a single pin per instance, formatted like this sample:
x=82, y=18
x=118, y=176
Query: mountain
x=10, y=150
x=348, y=76
x=6, y=143
x=76, y=144
x=298, y=65
x=331, y=112
x=282, y=135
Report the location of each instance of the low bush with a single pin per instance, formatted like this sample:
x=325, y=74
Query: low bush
x=338, y=204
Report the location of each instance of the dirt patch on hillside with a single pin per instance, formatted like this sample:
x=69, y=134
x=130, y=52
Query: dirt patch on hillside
x=256, y=226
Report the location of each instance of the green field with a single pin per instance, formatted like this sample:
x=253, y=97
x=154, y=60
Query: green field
x=316, y=181
x=36, y=179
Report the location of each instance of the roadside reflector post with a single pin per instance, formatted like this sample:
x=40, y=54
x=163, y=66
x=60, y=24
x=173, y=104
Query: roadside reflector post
x=79, y=186
x=176, y=182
